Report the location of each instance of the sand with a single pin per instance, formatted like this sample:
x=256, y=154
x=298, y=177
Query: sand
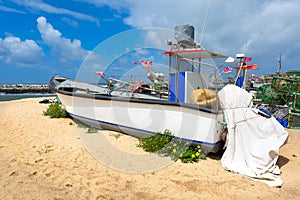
x=43, y=158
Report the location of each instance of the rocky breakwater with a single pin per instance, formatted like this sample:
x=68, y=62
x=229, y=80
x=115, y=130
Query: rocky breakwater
x=24, y=88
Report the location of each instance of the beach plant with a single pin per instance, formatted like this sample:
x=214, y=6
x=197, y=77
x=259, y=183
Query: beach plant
x=116, y=135
x=92, y=130
x=156, y=142
x=55, y=110
x=166, y=144
x=89, y=128
x=81, y=126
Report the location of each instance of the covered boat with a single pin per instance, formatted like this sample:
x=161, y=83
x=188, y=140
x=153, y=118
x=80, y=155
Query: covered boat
x=254, y=138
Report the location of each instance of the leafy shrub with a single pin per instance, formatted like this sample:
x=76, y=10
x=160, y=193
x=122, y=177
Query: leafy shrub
x=156, y=142
x=167, y=145
x=55, y=110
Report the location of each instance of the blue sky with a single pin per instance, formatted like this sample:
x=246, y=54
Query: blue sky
x=40, y=38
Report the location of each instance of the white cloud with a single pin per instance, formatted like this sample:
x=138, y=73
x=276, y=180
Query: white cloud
x=166, y=13
x=70, y=22
x=21, y=53
x=266, y=28
x=41, y=6
x=7, y=9
x=152, y=37
x=157, y=13
x=115, y=4
x=64, y=49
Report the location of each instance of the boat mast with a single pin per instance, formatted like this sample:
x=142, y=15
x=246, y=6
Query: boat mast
x=204, y=23
x=279, y=62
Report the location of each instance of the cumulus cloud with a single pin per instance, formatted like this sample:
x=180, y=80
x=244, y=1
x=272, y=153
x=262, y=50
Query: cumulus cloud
x=262, y=28
x=25, y=53
x=157, y=13
x=62, y=48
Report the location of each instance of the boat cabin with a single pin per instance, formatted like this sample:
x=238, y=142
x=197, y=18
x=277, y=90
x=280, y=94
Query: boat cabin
x=187, y=77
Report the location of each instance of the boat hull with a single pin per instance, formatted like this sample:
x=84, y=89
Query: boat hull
x=141, y=118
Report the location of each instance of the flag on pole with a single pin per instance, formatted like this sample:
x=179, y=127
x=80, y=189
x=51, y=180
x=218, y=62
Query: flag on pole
x=146, y=64
x=229, y=60
x=247, y=59
x=252, y=67
x=244, y=66
x=227, y=70
x=100, y=73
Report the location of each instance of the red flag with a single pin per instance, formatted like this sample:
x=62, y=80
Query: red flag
x=247, y=59
x=135, y=63
x=252, y=67
x=146, y=64
x=227, y=70
x=100, y=73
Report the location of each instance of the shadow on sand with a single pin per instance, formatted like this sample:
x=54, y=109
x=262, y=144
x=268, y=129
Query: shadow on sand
x=282, y=161
x=216, y=156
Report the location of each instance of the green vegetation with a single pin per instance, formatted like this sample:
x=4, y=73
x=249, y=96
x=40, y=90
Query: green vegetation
x=81, y=126
x=156, y=142
x=89, y=128
x=116, y=135
x=166, y=144
x=55, y=110
x=92, y=130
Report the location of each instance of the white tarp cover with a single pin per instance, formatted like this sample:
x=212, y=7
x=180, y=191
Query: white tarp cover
x=253, y=141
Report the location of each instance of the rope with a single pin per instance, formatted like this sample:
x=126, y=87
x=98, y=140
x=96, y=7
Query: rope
x=199, y=62
x=236, y=108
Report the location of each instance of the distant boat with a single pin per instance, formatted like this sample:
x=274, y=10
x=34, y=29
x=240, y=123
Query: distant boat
x=196, y=119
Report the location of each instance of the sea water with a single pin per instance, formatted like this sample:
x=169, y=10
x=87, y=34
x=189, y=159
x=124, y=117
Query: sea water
x=9, y=97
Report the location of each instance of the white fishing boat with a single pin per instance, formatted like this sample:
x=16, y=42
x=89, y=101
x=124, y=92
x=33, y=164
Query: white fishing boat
x=189, y=109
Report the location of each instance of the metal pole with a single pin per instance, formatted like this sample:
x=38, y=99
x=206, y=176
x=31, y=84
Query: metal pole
x=169, y=77
x=176, y=78
x=238, y=74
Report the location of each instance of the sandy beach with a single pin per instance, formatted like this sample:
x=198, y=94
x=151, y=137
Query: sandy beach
x=43, y=158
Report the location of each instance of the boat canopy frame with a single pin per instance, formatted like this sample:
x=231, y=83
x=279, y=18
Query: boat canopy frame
x=194, y=56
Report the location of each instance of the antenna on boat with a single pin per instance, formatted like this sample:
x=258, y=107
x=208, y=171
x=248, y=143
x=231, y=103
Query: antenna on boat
x=279, y=66
x=204, y=23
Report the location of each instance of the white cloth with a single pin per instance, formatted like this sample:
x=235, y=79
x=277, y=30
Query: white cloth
x=253, y=141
